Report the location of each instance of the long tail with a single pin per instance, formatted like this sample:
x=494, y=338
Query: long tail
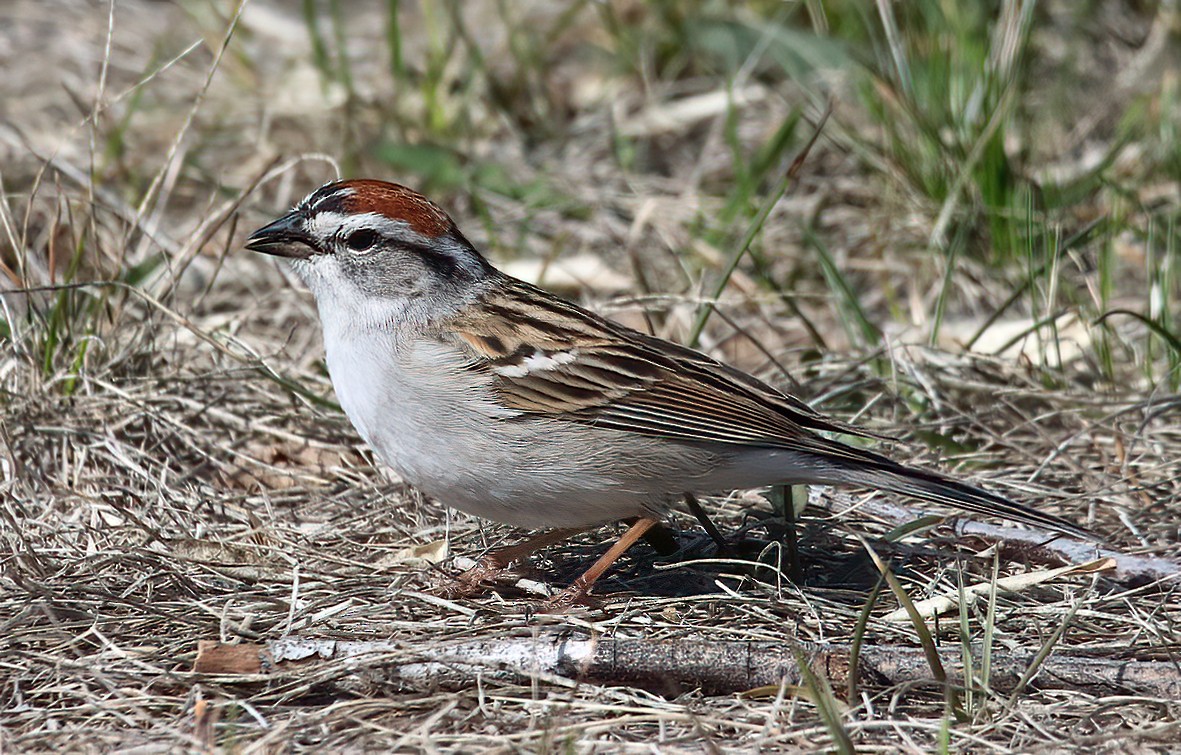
x=873, y=470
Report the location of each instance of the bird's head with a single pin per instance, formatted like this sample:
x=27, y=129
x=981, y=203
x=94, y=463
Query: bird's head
x=365, y=240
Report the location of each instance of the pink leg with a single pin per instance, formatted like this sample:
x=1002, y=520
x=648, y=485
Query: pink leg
x=581, y=587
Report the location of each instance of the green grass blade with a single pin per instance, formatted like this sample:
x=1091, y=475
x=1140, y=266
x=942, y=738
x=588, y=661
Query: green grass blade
x=753, y=229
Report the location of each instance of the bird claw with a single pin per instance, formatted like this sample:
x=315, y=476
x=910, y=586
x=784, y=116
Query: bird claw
x=473, y=581
x=572, y=596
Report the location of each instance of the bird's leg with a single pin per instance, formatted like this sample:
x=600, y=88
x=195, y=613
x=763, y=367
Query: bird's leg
x=495, y=562
x=710, y=528
x=581, y=586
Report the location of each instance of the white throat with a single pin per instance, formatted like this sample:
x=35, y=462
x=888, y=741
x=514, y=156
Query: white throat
x=344, y=308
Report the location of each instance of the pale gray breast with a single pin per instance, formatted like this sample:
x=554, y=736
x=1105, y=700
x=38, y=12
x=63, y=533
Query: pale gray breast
x=438, y=424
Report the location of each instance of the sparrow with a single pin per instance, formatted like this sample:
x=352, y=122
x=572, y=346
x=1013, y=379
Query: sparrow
x=502, y=400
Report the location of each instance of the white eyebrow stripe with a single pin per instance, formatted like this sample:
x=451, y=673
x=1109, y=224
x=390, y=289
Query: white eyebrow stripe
x=342, y=192
x=327, y=224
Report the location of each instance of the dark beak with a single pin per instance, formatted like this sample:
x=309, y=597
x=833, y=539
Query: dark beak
x=283, y=238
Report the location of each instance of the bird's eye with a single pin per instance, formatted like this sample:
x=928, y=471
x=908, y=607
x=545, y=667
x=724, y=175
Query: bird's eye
x=361, y=240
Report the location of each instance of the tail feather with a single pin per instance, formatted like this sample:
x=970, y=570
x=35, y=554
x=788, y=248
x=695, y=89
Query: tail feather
x=959, y=495
x=883, y=473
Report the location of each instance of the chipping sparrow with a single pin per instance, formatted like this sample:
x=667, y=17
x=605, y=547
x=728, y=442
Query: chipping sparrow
x=504, y=401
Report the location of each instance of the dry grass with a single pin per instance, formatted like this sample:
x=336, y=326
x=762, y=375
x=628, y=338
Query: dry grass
x=172, y=468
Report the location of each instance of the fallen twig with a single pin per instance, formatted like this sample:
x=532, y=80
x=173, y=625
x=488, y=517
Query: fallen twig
x=673, y=666
x=1015, y=583
x=1127, y=568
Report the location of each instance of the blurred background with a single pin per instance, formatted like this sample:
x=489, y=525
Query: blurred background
x=997, y=176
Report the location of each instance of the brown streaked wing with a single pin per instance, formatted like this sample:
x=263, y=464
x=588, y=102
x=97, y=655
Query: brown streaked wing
x=624, y=379
x=597, y=377
x=511, y=328
x=709, y=369
x=683, y=408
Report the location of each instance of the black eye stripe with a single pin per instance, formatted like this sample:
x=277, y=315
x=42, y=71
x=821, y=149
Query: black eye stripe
x=442, y=262
x=439, y=261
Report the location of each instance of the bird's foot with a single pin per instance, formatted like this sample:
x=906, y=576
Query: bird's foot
x=473, y=581
x=494, y=565
x=573, y=596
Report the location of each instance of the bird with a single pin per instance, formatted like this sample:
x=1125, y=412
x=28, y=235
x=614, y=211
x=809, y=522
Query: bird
x=502, y=400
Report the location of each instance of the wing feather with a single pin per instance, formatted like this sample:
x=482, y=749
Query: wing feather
x=549, y=357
